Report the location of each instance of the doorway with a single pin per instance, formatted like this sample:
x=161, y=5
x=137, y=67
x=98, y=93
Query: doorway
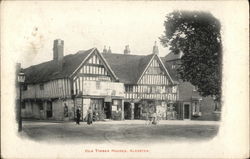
x=107, y=110
x=137, y=114
x=186, y=111
x=127, y=110
x=49, y=109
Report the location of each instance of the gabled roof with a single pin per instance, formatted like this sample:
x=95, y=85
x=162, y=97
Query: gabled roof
x=49, y=70
x=128, y=68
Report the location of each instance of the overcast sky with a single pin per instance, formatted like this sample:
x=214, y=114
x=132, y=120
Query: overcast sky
x=32, y=26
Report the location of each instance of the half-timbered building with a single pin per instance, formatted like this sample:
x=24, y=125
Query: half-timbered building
x=55, y=89
x=115, y=86
x=148, y=86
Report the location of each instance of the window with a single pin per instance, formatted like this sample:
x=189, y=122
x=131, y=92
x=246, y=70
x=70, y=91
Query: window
x=174, y=89
x=196, y=109
x=195, y=88
x=25, y=87
x=91, y=60
x=41, y=86
x=40, y=105
x=153, y=89
x=149, y=89
x=129, y=88
x=94, y=59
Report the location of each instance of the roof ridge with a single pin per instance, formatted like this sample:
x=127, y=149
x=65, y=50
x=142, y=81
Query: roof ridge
x=126, y=54
x=78, y=52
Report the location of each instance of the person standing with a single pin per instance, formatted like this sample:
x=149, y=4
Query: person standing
x=78, y=115
x=90, y=116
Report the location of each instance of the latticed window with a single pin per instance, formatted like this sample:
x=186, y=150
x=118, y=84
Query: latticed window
x=129, y=88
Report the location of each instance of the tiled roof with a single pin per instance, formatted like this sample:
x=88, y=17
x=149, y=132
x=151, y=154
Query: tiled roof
x=49, y=70
x=171, y=56
x=128, y=68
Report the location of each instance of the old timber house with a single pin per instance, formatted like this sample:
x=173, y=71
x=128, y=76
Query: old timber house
x=116, y=86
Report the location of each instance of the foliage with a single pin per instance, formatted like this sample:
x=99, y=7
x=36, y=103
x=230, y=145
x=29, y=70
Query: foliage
x=197, y=36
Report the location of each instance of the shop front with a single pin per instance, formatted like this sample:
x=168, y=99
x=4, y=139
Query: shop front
x=106, y=100
x=143, y=109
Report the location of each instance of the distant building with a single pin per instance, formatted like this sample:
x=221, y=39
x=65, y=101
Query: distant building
x=190, y=104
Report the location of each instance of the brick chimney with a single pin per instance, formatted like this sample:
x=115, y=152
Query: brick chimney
x=155, y=49
x=104, y=50
x=109, y=50
x=58, y=53
x=58, y=49
x=126, y=50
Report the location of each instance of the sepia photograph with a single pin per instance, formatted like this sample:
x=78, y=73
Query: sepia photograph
x=124, y=79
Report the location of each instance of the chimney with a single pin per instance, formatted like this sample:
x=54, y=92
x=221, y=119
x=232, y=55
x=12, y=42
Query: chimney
x=58, y=49
x=109, y=51
x=104, y=49
x=127, y=50
x=155, y=49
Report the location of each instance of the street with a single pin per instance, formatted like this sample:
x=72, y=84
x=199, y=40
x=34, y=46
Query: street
x=115, y=132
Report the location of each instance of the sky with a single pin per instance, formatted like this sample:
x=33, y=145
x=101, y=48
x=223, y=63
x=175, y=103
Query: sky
x=32, y=26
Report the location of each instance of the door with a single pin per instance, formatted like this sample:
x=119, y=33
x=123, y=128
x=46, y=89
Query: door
x=137, y=114
x=186, y=111
x=49, y=110
x=127, y=110
x=97, y=108
x=107, y=110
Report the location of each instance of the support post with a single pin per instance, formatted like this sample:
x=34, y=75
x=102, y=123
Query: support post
x=20, y=109
x=122, y=109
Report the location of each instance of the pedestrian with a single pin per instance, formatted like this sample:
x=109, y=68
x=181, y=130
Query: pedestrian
x=78, y=115
x=154, y=121
x=90, y=116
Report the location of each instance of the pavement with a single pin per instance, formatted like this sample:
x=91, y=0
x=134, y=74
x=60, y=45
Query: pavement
x=117, y=132
x=134, y=122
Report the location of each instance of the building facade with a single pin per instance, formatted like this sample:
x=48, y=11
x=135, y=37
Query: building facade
x=55, y=89
x=115, y=86
x=148, y=86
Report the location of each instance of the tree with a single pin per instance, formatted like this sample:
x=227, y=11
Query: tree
x=197, y=36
